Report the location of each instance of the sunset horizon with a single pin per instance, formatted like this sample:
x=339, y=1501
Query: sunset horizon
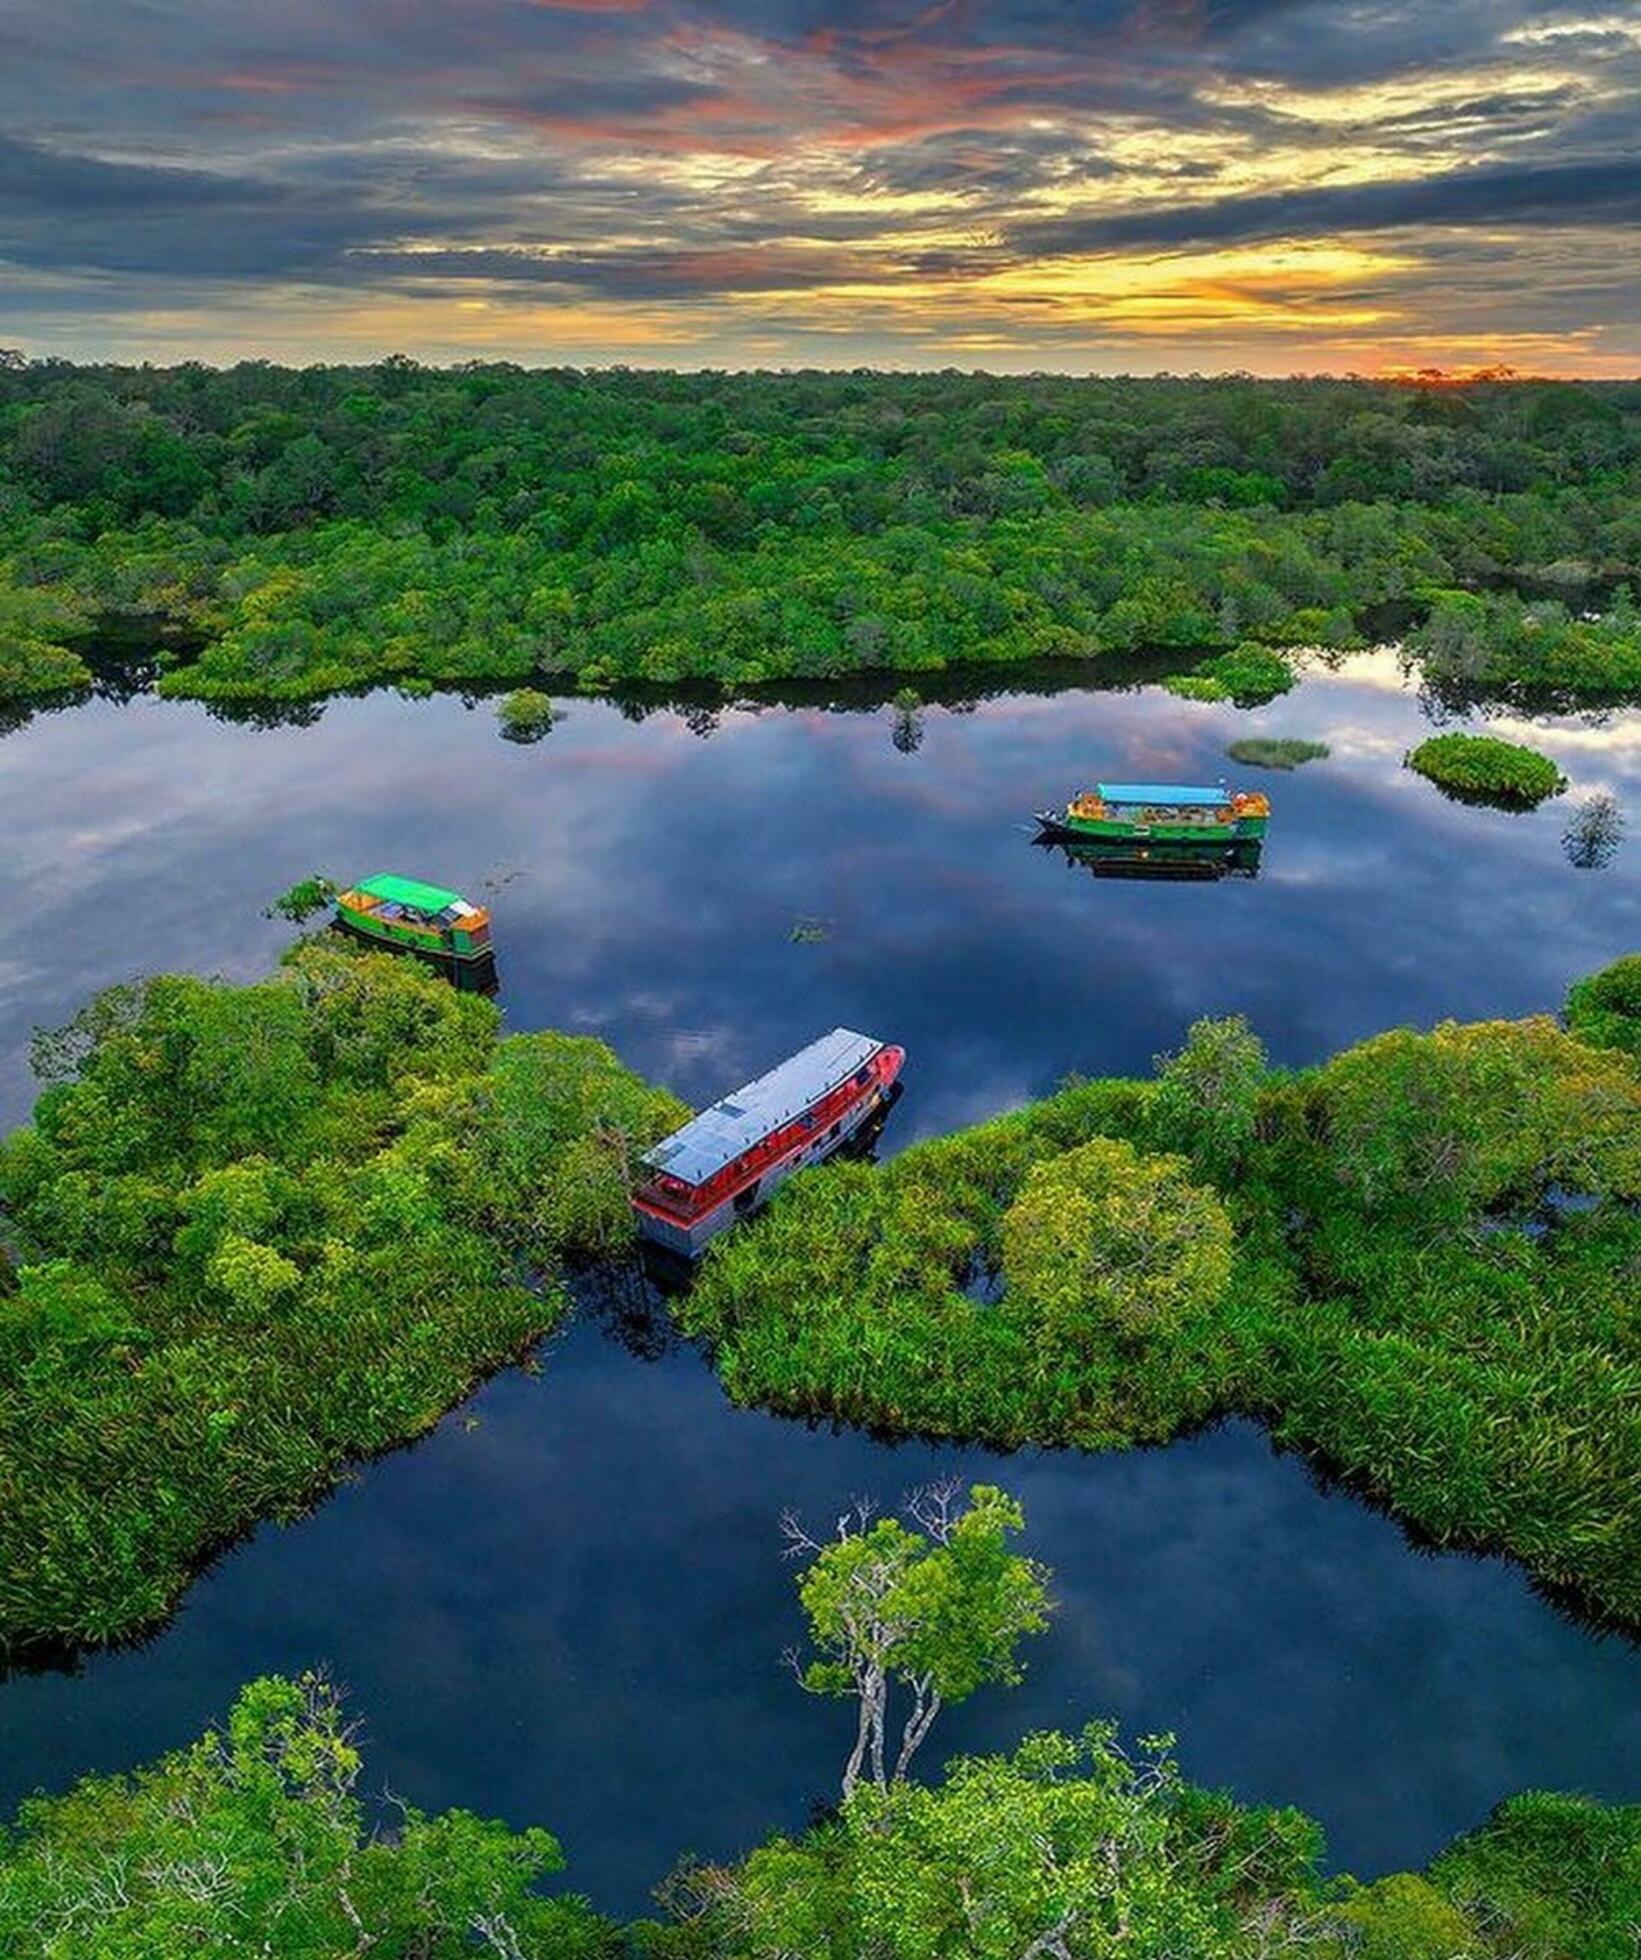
x=1153, y=186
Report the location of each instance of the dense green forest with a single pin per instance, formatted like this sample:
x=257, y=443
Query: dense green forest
x=1416, y=1260
x=258, y=1231
x=281, y=534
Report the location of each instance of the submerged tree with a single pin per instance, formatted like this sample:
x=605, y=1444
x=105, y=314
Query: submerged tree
x=938, y=1610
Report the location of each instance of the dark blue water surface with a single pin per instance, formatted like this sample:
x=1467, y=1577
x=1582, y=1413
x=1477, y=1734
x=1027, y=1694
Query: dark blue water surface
x=568, y=1605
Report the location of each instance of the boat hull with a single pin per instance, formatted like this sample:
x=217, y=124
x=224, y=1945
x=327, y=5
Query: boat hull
x=395, y=936
x=686, y=1240
x=1116, y=830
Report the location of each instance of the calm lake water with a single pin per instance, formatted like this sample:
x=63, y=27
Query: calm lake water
x=574, y=1611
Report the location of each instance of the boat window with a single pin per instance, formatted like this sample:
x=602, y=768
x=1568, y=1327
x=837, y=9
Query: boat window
x=862, y=1076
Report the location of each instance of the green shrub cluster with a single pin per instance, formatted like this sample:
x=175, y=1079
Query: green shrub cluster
x=1486, y=769
x=341, y=527
x=1604, y=1008
x=526, y=714
x=1407, y=1293
x=1276, y=752
x=1249, y=675
x=260, y=1230
x=33, y=624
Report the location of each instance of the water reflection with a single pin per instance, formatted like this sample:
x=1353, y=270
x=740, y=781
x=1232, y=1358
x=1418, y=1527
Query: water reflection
x=1594, y=832
x=1188, y=863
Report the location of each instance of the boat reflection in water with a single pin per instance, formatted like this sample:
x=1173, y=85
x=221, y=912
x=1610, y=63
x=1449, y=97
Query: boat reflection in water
x=1190, y=863
x=475, y=976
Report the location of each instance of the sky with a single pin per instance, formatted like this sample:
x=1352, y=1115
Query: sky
x=1105, y=186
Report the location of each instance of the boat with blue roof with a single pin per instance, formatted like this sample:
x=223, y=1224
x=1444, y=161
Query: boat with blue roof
x=1160, y=813
x=727, y=1161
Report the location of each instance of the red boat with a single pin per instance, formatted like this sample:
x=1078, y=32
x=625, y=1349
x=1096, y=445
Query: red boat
x=725, y=1162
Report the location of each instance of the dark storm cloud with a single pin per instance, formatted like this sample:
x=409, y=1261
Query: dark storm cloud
x=61, y=211
x=1586, y=193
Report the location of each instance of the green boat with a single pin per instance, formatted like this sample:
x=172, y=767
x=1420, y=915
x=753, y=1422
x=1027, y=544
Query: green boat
x=404, y=915
x=1160, y=813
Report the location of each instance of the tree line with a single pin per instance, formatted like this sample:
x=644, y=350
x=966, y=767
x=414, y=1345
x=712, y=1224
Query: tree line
x=287, y=533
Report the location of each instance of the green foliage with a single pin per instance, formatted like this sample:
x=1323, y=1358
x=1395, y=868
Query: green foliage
x=1067, y=1848
x=1407, y=1294
x=306, y=897
x=1276, y=752
x=526, y=714
x=1207, y=1096
x=253, y=1840
x=262, y=1230
x=1196, y=687
x=345, y=527
x=1549, y=1875
x=1072, y=1849
x=1249, y=675
x=1604, y=1009
x=33, y=659
x=1485, y=769
x=1443, y=1127
x=1104, y=1238
x=938, y=1611
x=1475, y=645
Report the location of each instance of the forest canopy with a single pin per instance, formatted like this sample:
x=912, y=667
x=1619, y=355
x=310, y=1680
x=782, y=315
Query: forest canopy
x=281, y=534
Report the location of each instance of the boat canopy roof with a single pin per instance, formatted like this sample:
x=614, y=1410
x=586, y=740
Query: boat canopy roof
x=729, y=1128
x=408, y=891
x=1179, y=795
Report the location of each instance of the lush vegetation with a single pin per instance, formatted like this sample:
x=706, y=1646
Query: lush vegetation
x=526, y=714
x=1487, y=769
x=936, y=1610
x=1401, y=1284
x=1491, y=644
x=1073, y=1849
x=1604, y=1008
x=254, y=1839
x=287, y=533
x=1277, y=752
x=1249, y=675
x=259, y=1230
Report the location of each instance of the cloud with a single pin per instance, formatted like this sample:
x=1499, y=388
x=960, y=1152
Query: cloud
x=1600, y=192
x=904, y=178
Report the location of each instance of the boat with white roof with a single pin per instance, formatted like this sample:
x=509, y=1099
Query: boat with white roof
x=726, y=1162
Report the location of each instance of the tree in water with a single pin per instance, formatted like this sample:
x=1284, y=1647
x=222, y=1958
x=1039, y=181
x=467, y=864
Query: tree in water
x=907, y=734
x=937, y=1607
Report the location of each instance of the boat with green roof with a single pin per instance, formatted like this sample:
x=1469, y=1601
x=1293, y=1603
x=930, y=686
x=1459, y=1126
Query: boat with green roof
x=1160, y=813
x=404, y=915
